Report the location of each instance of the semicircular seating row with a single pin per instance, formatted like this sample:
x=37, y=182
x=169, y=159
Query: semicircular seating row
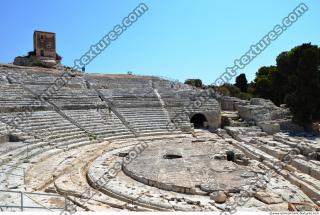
x=77, y=114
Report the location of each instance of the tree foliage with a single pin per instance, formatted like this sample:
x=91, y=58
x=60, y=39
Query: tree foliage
x=295, y=80
x=242, y=83
x=262, y=85
x=234, y=91
x=304, y=96
x=194, y=82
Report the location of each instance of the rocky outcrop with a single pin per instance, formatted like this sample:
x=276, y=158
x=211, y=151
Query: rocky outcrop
x=269, y=198
x=259, y=112
x=35, y=61
x=266, y=115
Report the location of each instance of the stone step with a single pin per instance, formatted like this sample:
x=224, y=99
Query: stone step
x=108, y=131
x=307, y=184
x=49, y=150
x=274, y=151
x=141, y=116
x=63, y=132
x=254, y=153
x=148, y=123
x=279, y=151
x=132, y=111
x=21, y=153
x=144, y=116
x=149, y=127
x=69, y=139
x=110, y=134
x=92, y=124
x=60, y=127
x=271, y=154
x=52, y=122
x=307, y=167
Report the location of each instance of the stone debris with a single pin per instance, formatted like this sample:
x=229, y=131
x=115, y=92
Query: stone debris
x=261, y=112
x=219, y=197
x=269, y=198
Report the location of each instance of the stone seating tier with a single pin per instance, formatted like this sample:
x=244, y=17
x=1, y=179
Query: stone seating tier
x=101, y=123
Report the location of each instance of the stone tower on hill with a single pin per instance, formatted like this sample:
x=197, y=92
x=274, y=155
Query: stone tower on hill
x=44, y=44
x=44, y=53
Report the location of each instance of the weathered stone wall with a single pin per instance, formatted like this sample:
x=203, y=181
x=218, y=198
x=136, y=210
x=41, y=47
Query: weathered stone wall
x=4, y=137
x=228, y=103
x=266, y=115
x=45, y=44
x=214, y=118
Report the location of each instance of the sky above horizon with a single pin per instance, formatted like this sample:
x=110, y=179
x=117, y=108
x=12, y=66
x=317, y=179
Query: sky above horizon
x=176, y=39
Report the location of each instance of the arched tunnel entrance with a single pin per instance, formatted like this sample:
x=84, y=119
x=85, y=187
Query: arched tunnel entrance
x=199, y=120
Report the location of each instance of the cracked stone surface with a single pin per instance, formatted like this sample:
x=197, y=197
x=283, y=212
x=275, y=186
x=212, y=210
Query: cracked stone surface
x=197, y=168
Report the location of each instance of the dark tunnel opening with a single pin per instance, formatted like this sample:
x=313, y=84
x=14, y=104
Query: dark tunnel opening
x=198, y=120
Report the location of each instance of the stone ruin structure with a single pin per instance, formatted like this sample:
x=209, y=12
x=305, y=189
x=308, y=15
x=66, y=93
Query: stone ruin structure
x=142, y=143
x=44, y=44
x=261, y=112
x=44, y=51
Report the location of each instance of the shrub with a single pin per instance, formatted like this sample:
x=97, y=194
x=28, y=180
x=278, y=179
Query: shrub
x=58, y=57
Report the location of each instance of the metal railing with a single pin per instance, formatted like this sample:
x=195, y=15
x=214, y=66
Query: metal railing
x=23, y=206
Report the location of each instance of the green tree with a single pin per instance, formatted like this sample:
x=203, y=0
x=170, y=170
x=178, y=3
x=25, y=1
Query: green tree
x=234, y=91
x=223, y=90
x=244, y=96
x=194, y=82
x=263, y=83
x=295, y=80
x=251, y=88
x=278, y=86
x=304, y=98
x=242, y=83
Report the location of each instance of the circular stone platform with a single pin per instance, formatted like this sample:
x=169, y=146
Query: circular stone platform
x=193, y=168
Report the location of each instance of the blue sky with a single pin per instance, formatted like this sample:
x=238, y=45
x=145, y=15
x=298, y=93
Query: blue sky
x=178, y=39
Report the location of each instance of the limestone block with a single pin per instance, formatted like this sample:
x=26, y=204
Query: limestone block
x=240, y=103
x=301, y=165
x=218, y=196
x=3, y=79
x=315, y=147
x=228, y=103
x=290, y=168
x=315, y=171
x=269, y=127
x=268, y=197
x=4, y=138
x=263, y=102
